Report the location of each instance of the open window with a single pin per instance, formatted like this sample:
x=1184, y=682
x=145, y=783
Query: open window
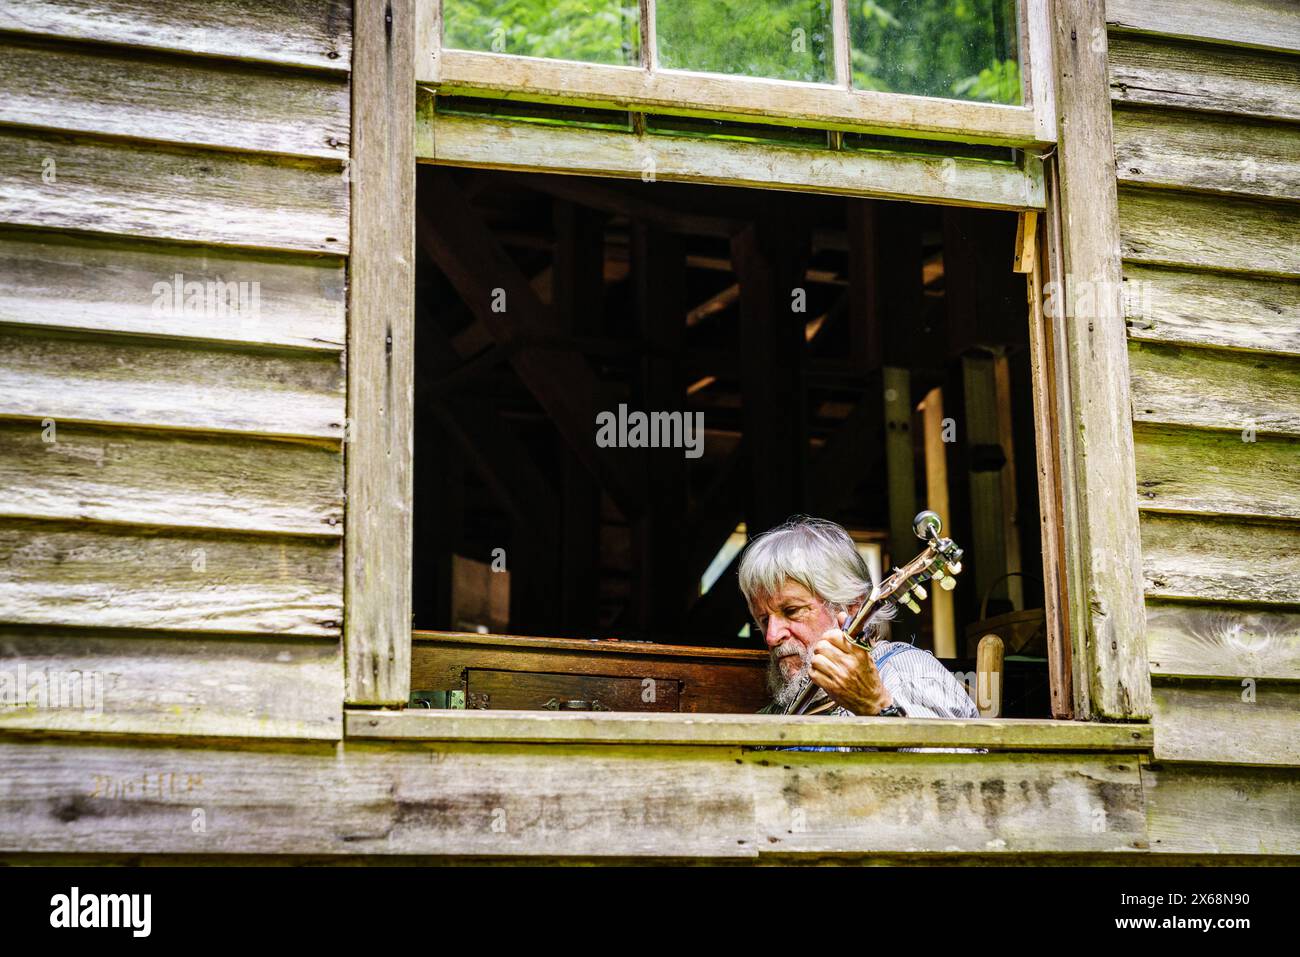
x=752, y=354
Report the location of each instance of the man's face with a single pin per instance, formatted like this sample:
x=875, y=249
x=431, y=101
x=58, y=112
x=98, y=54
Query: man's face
x=792, y=622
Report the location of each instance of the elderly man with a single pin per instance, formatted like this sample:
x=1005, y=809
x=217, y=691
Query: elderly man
x=802, y=580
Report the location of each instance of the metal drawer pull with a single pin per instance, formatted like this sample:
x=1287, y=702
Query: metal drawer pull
x=556, y=704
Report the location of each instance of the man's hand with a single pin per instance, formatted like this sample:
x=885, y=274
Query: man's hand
x=847, y=673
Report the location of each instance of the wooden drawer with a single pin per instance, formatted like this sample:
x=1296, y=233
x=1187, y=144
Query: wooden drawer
x=530, y=691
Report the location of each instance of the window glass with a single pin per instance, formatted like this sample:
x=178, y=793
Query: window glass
x=780, y=39
x=593, y=31
x=958, y=49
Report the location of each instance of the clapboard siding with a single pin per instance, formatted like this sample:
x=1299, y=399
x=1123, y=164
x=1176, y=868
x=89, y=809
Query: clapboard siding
x=1200, y=471
x=112, y=577
x=1206, y=153
x=105, y=284
x=147, y=684
x=126, y=476
x=634, y=801
x=1250, y=23
x=1197, y=76
x=1209, y=232
x=130, y=188
x=1212, y=308
x=1223, y=641
x=1211, y=559
x=173, y=99
x=1245, y=721
x=1215, y=389
x=1204, y=809
x=305, y=33
x=161, y=384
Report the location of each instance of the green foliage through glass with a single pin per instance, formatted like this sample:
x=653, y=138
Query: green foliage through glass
x=593, y=31
x=958, y=49
x=779, y=39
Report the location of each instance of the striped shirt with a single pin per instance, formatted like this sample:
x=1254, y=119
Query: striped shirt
x=917, y=681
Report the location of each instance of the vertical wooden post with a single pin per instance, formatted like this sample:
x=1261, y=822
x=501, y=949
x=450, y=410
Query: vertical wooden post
x=381, y=305
x=936, y=499
x=1102, y=492
x=900, y=463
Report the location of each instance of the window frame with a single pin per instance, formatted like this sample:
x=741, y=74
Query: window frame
x=835, y=106
x=1081, y=395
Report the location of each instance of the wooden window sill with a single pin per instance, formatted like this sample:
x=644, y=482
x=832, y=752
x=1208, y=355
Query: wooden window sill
x=520, y=727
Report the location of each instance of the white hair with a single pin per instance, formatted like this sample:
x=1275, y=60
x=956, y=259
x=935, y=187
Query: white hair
x=815, y=553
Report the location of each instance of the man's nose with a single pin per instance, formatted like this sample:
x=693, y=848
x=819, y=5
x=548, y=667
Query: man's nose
x=777, y=631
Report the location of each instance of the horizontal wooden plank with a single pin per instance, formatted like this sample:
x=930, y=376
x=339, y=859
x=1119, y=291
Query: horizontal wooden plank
x=1220, y=560
x=128, y=476
x=1216, y=389
x=730, y=97
x=746, y=729
x=1199, y=77
x=109, y=285
x=105, y=683
x=1211, y=308
x=470, y=141
x=1271, y=24
x=163, y=192
x=1209, y=232
x=1202, y=152
x=597, y=802
x=1231, y=722
x=113, y=381
x=1222, y=641
x=168, y=99
x=1216, y=473
x=1199, y=809
x=306, y=33
x=108, y=577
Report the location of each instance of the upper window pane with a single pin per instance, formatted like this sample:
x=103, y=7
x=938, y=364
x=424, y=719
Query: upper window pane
x=959, y=49
x=781, y=39
x=594, y=31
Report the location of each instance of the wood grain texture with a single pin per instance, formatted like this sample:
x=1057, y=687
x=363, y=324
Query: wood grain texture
x=1220, y=560
x=1199, y=77
x=1215, y=473
x=1222, y=641
x=127, y=476
x=307, y=33
x=726, y=97
x=1103, y=522
x=521, y=800
x=1011, y=734
x=1209, y=722
x=1211, y=308
x=152, y=684
x=466, y=141
x=187, y=101
x=1213, y=154
x=1271, y=24
x=107, y=285
x=1202, y=809
x=1216, y=389
x=381, y=308
x=201, y=196
x=1209, y=232
x=169, y=385
x=106, y=577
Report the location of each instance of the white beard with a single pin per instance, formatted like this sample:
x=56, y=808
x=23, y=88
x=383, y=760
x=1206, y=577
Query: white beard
x=785, y=690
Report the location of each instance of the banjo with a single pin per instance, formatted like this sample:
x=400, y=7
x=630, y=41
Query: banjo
x=940, y=561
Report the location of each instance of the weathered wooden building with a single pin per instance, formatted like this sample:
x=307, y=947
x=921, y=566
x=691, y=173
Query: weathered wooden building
x=211, y=468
